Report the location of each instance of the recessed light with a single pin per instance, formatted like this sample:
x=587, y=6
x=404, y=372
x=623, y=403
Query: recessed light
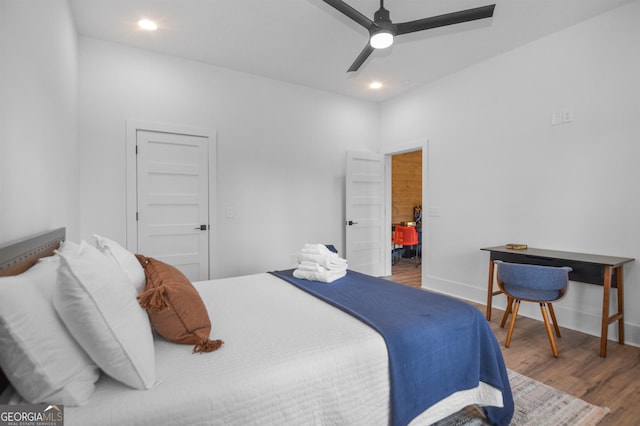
x=375, y=85
x=147, y=24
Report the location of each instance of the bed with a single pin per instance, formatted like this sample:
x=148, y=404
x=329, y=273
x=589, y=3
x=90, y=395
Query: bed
x=289, y=357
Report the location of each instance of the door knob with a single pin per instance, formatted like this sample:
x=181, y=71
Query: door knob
x=350, y=223
x=201, y=227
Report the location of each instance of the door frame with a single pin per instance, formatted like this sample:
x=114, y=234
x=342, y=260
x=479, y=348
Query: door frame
x=132, y=127
x=420, y=144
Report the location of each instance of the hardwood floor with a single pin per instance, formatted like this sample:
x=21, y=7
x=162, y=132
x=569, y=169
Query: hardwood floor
x=406, y=272
x=613, y=381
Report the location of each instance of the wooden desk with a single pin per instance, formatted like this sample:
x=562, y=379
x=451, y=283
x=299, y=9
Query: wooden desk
x=588, y=268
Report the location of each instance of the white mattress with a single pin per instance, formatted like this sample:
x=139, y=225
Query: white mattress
x=288, y=359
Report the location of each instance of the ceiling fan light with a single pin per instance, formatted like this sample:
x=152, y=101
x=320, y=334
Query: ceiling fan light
x=147, y=24
x=381, y=40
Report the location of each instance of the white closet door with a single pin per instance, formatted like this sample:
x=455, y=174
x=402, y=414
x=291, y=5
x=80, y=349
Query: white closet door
x=173, y=200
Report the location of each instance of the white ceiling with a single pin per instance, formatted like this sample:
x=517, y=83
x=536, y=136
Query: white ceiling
x=308, y=42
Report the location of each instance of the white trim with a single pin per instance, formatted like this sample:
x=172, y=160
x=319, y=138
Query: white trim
x=573, y=319
x=132, y=126
x=387, y=213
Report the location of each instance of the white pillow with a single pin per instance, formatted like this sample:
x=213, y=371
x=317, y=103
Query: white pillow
x=40, y=358
x=66, y=247
x=98, y=305
x=125, y=259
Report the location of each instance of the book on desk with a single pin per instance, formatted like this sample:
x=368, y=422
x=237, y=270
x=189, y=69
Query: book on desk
x=514, y=246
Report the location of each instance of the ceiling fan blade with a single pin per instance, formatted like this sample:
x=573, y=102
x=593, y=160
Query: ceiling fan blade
x=446, y=19
x=350, y=12
x=368, y=50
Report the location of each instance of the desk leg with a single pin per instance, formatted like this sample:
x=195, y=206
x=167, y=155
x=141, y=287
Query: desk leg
x=620, y=306
x=619, y=316
x=605, y=310
x=490, y=290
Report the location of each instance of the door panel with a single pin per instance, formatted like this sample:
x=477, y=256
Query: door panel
x=364, y=190
x=172, y=200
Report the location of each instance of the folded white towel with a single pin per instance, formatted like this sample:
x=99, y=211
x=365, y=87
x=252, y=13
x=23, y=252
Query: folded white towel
x=326, y=276
x=329, y=262
x=310, y=266
x=318, y=249
x=314, y=267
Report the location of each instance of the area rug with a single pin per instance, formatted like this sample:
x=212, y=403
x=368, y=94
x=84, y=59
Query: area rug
x=536, y=404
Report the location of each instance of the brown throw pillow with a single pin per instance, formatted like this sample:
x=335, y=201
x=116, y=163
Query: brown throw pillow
x=174, y=306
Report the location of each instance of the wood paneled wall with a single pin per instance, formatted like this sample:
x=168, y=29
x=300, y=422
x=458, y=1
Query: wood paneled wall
x=406, y=185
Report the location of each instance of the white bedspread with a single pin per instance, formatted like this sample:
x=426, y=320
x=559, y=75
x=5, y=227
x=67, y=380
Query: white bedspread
x=288, y=359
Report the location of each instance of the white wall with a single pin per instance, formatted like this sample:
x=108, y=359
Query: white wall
x=500, y=172
x=281, y=149
x=38, y=119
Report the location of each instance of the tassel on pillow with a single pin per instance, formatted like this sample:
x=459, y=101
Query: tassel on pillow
x=207, y=346
x=153, y=299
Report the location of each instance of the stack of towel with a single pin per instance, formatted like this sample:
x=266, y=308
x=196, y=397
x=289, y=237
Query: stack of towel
x=318, y=263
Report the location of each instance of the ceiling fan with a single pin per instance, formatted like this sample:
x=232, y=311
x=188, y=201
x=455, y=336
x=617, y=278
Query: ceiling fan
x=382, y=30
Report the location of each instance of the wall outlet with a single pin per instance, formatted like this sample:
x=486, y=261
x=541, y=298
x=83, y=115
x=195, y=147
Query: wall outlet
x=567, y=116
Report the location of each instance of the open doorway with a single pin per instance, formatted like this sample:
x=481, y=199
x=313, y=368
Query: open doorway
x=406, y=210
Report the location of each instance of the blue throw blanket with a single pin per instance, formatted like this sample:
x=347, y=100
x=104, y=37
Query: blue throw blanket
x=437, y=345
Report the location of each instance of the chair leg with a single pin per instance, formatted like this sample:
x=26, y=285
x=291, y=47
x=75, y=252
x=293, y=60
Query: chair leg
x=554, y=320
x=506, y=311
x=395, y=256
x=554, y=348
x=512, y=325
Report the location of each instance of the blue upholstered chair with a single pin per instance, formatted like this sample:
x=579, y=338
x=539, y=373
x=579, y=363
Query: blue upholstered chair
x=532, y=283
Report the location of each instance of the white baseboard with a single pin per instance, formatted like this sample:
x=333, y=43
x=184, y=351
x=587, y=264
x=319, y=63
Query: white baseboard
x=585, y=322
